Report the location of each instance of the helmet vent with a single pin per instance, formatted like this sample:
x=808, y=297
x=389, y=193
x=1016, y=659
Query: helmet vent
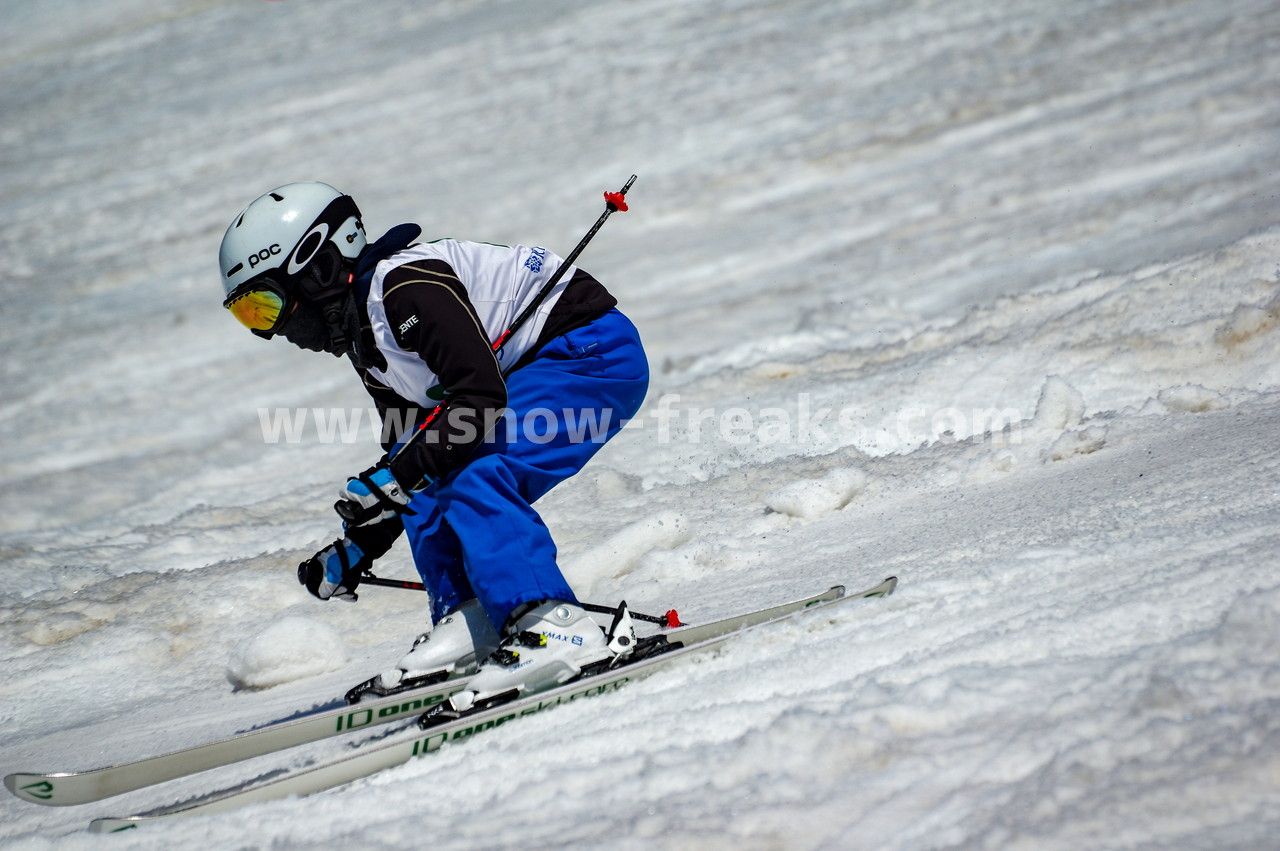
x=277, y=197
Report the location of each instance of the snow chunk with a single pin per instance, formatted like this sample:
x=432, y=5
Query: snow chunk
x=813, y=497
x=619, y=554
x=1060, y=406
x=1082, y=442
x=292, y=648
x=1191, y=399
x=611, y=484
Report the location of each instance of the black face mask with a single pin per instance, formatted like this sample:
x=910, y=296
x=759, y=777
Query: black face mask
x=307, y=328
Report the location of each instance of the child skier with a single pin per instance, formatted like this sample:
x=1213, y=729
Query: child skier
x=419, y=322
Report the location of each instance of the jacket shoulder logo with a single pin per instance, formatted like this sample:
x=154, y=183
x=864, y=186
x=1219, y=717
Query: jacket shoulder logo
x=535, y=261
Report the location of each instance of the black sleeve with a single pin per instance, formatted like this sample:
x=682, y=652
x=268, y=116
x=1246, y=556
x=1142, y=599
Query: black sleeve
x=431, y=314
x=397, y=415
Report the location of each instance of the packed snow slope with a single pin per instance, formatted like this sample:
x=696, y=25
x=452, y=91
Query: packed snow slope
x=982, y=294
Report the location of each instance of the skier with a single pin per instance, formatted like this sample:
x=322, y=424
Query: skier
x=418, y=321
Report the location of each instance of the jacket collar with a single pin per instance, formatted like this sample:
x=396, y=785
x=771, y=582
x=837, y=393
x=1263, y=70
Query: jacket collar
x=397, y=239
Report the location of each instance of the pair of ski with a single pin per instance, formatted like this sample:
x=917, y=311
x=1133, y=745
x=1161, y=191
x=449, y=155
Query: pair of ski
x=669, y=645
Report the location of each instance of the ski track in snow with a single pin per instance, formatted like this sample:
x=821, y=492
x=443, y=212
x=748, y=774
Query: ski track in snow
x=984, y=295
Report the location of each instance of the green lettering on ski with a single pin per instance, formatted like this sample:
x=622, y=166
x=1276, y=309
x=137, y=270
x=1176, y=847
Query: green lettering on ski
x=364, y=717
x=435, y=740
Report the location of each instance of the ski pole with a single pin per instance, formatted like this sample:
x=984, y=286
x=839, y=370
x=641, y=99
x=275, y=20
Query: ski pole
x=370, y=579
x=614, y=202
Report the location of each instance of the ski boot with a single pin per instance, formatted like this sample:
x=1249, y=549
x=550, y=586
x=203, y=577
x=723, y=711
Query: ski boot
x=454, y=647
x=546, y=645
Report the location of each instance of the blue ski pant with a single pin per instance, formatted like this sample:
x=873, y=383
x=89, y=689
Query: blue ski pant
x=476, y=533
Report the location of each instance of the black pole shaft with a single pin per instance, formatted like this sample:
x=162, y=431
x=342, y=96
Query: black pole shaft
x=370, y=579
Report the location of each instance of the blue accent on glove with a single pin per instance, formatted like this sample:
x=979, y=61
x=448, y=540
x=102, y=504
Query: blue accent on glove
x=381, y=477
x=333, y=562
x=373, y=496
x=323, y=575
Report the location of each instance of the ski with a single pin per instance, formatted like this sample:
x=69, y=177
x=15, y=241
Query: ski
x=83, y=787
x=70, y=788
x=408, y=744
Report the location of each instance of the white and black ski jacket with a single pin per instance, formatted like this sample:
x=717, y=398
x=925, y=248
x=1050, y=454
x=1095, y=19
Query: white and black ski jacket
x=434, y=311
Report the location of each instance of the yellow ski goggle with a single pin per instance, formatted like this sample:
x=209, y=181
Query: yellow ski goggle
x=260, y=305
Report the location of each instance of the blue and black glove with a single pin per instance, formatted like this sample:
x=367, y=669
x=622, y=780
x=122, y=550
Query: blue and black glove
x=373, y=496
x=335, y=571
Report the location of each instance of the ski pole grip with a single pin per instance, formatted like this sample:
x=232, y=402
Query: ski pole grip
x=353, y=512
x=356, y=514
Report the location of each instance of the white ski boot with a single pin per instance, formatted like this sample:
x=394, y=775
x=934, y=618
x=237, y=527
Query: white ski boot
x=547, y=645
x=456, y=645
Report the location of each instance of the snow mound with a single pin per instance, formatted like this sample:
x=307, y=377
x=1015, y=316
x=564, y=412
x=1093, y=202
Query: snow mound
x=292, y=648
x=619, y=554
x=1191, y=399
x=1060, y=406
x=1082, y=442
x=813, y=497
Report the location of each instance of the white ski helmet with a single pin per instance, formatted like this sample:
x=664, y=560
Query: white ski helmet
x=286, y=229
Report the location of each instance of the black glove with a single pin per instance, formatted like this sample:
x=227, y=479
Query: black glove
x=335, y=571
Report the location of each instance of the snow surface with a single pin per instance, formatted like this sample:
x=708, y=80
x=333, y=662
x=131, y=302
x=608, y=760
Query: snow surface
x=982, y=294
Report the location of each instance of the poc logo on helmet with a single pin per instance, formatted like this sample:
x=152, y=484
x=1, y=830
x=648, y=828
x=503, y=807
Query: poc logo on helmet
x=264, y=254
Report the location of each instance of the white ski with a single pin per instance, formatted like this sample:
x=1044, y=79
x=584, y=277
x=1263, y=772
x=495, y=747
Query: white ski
x=82, y=787
x=403, y=747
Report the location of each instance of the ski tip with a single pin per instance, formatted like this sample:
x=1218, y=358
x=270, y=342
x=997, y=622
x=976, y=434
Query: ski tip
x=35, y=788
